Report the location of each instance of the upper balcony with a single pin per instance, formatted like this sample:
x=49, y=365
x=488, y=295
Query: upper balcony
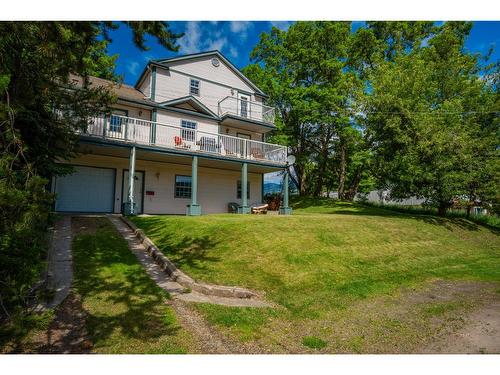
x=172, y=137
x=246, y=110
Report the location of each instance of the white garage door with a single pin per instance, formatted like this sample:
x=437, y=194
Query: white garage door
x=86, y=190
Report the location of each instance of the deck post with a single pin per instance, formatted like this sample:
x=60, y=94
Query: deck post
x=152, y=136
x=244, y=209
x=129, y=207
x=194, y=209
x=285, y=209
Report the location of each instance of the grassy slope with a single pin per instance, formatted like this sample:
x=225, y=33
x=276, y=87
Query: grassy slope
x=324, y=258
x=325, y=255
x=126, y=310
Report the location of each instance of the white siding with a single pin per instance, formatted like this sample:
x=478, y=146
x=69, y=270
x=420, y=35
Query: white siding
x=143, y=114
x=216, y=187
x=234, y=132
x=202, y=67
x=173, y=118
x=171, y=85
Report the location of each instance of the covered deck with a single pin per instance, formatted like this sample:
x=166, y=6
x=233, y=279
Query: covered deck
x=188, y=161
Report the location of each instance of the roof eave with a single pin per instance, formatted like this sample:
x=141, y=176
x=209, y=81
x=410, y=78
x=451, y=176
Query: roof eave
x=190, y=98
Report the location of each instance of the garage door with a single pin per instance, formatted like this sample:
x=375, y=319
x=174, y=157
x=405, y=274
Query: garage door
x=86, y=190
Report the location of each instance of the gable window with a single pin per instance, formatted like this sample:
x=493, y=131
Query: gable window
x=194, y=87
x=238, y=189
x=188, y=131
x=182, y=186
x=115, y=122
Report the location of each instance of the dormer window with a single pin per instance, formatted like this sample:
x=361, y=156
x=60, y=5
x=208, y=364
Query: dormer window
x=194, y=87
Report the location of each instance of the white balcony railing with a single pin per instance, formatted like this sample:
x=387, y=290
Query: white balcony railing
x=166, y=136
x=246, y=109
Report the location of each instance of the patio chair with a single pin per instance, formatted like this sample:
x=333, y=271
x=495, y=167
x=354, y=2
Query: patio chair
x=232, y=207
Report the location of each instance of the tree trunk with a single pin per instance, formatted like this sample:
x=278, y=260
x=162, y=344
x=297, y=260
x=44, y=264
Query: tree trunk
x=342, y=172
x=472, y=199
x=442, y=208
x=353, y=189
x=321, y=171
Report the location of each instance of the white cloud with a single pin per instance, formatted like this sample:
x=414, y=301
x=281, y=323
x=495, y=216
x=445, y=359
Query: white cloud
x=217, y=44
x=208, y=36
x=133, y=67
x=233, y=51
x=241, y=28
x=190, y=42
x=282, y=25
x=197, y=38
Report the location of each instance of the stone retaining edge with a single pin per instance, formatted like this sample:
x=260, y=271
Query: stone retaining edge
x=177, y=275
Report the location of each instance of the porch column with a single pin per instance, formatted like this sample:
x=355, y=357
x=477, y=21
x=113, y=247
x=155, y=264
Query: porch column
x=244, y=209
x=194, y=209
x=130, y=208
x=285, y=209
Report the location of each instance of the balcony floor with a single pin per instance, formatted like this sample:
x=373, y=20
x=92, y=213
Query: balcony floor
x=106, y=147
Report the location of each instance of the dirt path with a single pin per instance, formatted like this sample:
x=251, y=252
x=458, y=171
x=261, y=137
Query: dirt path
x=208, y=339
x=66, y=333
x=479, y=335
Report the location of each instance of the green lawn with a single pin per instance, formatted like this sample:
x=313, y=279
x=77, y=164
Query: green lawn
x=126, y=311
x=319, y=262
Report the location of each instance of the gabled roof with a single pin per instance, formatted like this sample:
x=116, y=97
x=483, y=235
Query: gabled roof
x=193, y=102
x=218, y=54
x=121, y=90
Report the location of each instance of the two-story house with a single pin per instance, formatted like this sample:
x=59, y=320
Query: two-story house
x=188, y=138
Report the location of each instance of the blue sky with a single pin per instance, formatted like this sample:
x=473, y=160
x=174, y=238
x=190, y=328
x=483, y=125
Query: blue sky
x=237, y=39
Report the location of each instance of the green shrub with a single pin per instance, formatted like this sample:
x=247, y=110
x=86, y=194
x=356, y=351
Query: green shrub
x=488, y=220
x=24, y=219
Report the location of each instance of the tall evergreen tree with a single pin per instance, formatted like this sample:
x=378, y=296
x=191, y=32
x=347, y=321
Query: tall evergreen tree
x=39, y=113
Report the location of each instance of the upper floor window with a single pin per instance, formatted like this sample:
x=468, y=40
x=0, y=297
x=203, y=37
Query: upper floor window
x=188, y=130
x=194, y=87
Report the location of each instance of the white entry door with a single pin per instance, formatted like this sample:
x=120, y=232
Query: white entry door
x=243, y=105
x=138, y=189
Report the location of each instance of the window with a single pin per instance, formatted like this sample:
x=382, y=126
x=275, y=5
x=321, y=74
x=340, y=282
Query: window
x=115, y=122
x=183, y=186
x=188, y=130
x=238, y=189
x=194, y=87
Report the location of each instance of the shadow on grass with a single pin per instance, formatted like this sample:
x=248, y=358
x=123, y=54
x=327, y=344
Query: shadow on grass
x=193, y=252
x=331, y=206
x=120, y=299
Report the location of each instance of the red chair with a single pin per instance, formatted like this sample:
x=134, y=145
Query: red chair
x=178, y=140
